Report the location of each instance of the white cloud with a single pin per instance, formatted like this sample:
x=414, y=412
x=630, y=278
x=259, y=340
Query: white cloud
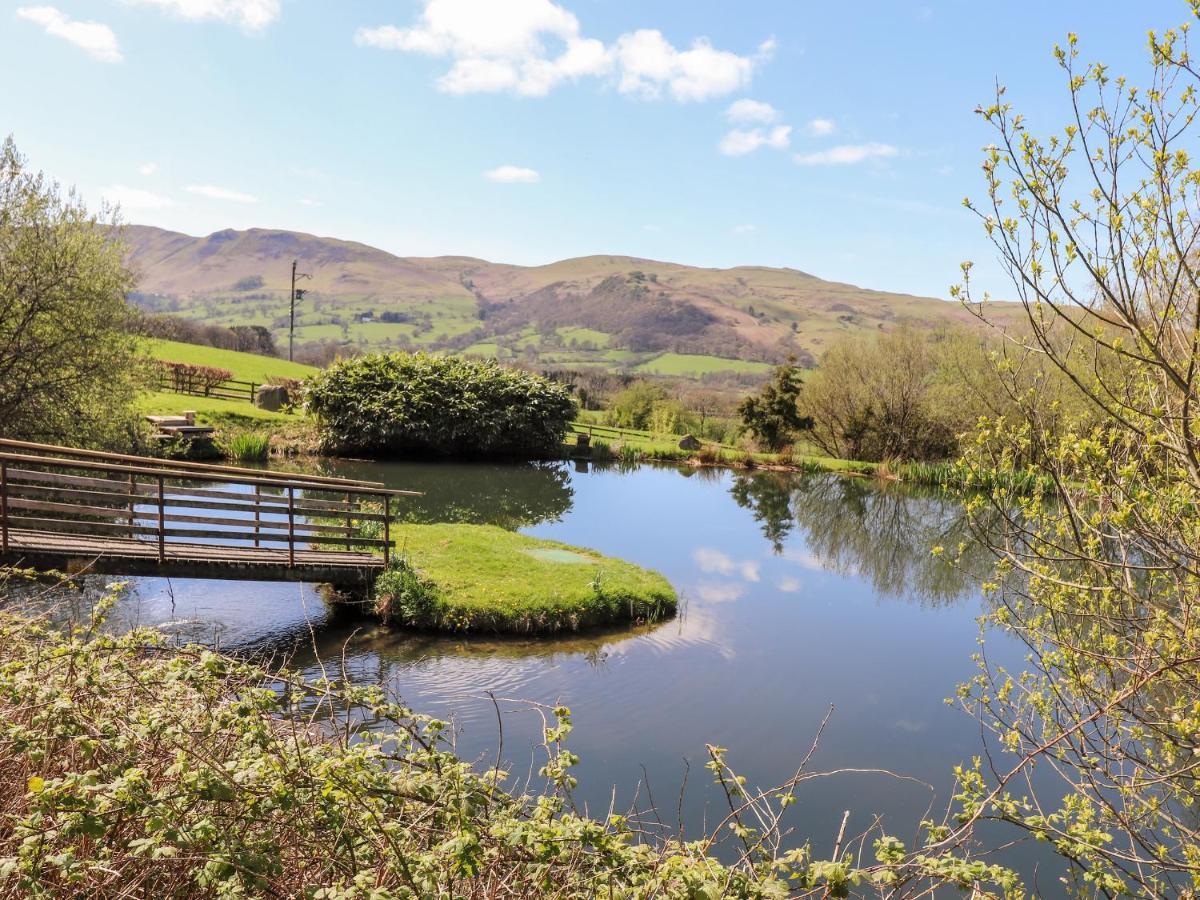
x=497, y=46
x=252, y=15
x=743, y=229
x=789, y=585
x=750, y=112
x=513, y=175
x=709, y=560
x=847, y=155
x=212, y=192
x=310, y=201
x=97, y=40
x=134, y=198
x=529, y=47
x=738, y=142
x=648, y=64
x=822, y=127
x=148, y=169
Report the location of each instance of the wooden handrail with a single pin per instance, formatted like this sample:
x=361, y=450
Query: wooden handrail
x=216, y=474
x=152, y=462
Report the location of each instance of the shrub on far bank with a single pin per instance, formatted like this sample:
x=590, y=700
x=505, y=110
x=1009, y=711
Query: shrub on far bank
x=398, y=403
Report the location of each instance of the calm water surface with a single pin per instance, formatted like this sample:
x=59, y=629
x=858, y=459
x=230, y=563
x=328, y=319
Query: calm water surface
x=801, y=594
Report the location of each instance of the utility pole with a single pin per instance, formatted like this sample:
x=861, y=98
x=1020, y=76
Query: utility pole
x=296, y=294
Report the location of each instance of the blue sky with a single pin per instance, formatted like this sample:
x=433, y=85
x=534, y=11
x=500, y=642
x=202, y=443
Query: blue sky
x=835, y=138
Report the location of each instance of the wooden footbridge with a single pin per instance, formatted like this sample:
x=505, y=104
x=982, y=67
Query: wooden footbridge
x=82, y=510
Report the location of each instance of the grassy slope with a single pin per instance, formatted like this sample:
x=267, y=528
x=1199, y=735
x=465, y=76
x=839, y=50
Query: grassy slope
x=486, y=579
x=244, y=366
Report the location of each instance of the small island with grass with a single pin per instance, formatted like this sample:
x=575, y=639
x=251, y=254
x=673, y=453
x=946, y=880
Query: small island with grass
x=480, y=578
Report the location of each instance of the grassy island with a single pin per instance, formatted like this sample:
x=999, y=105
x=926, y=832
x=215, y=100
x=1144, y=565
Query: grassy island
x=483, y=578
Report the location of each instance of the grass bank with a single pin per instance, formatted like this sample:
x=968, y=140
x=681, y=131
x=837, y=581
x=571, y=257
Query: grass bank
x=485, y=579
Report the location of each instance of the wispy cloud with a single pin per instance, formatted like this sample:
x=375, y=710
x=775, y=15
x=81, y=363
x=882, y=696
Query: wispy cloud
x=750, y=112
x=251, y=15
x=148, y=169
x=134, y=198
x=512, y=175
x=847, y=155
x=212, y=192
x=821, y=127
x=494, y=47
x=97, y=40
x=719, y=592
x=739, y=142
x=743, y=229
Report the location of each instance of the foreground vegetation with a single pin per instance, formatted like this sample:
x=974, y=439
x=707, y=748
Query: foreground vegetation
x=484, y=578
x=132, y=768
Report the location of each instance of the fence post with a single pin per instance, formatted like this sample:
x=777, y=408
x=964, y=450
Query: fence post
x=291, y=526
x=4, y=505
x=162, y=524
x=387, y=531
x=349, y=524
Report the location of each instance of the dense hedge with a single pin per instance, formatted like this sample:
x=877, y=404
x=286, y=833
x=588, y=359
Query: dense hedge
x=397, y=403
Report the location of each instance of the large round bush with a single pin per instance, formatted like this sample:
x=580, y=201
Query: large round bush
x=391, y=404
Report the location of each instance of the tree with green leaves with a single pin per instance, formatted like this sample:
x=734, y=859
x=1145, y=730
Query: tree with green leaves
x=772, y=416
x=67, y=357
x=1099, y=227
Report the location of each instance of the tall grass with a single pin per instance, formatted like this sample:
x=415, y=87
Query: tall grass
x=957, y=476
x=249, y=446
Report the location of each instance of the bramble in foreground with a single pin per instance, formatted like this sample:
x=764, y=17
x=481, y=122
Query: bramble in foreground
x=131, y=768
x=397, y=403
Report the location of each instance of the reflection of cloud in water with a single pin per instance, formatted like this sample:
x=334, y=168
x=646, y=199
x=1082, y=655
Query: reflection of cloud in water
x=802, y=557
x=715, y=561
x=719, y=591
x=697, y=625
x=789, y=585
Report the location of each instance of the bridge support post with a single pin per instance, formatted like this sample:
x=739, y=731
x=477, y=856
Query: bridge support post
x=4, y=505
x=257, y=513
x=162, y=522
x=291, y=526
x=387, y=531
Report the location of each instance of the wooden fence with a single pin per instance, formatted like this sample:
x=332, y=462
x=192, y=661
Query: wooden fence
x=230, y=389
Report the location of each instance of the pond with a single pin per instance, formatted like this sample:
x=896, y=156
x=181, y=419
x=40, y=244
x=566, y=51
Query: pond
x=804, y=597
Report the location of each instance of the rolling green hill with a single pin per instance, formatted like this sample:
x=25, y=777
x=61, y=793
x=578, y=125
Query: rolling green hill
x=244, y=366
x=614, y=312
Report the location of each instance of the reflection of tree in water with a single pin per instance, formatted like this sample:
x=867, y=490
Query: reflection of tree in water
x=511, y=495
x=883, y=533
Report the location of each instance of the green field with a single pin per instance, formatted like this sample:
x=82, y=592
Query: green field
x=682, y=364
x=244, y=366
x=208, y=410
x=585, y=335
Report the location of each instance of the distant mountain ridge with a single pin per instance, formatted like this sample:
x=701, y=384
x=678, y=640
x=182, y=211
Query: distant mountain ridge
x=612, y=311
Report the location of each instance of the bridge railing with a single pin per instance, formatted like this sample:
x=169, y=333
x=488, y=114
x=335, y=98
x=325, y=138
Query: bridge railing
x=65, y=491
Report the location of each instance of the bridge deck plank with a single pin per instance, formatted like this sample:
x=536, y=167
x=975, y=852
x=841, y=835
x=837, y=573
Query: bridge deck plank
x=323, y=563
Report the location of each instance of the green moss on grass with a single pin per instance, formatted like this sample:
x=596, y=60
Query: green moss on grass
x=485, y=579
